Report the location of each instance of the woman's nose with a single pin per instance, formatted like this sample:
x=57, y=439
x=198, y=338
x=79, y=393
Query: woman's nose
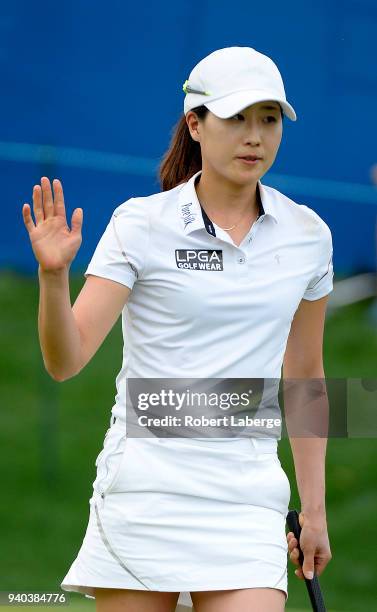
x=253, y=134
x=253, y=139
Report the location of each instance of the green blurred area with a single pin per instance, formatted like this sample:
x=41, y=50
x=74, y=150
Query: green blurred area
x=52, y=432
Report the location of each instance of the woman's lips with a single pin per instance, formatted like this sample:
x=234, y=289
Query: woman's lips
x=251, y=162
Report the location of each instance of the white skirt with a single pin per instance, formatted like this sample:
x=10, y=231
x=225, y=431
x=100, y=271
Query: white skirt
x=177, y=514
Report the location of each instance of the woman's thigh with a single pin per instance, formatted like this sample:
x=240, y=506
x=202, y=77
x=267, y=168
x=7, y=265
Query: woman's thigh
x=120, y=600
x=239, y=600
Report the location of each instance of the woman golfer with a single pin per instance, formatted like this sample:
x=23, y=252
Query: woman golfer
x=216, y=277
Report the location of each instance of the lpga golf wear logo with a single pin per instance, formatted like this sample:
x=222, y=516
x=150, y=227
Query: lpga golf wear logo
x=198, y=259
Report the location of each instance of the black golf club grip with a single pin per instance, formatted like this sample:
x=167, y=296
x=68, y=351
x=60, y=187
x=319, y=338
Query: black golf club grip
x=312, y=585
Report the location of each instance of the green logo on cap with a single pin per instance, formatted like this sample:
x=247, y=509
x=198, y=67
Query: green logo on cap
x=187, y=89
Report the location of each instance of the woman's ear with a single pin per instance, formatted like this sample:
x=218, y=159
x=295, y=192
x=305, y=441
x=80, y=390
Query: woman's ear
x=193, y=123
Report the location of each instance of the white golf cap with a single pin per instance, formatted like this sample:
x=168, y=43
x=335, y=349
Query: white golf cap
x=230, y=79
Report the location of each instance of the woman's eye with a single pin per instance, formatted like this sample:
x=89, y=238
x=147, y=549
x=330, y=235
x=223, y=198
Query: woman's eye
x=270, y=117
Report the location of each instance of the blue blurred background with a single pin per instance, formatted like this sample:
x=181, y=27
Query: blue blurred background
x=91, y=91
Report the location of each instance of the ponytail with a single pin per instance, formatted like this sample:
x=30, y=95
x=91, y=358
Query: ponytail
x=183, y=158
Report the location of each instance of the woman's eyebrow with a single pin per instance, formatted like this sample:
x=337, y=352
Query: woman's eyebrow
x=270, y=108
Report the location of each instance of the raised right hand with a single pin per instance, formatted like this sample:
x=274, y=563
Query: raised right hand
x=53, y=243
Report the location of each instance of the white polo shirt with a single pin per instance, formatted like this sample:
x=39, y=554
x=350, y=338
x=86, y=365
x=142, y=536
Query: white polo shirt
x=200, y=306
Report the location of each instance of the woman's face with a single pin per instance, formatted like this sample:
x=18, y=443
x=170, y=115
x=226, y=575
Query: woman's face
x=256, y=130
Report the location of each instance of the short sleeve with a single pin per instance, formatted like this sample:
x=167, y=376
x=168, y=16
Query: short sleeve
x=121, y=251
x=322, y=282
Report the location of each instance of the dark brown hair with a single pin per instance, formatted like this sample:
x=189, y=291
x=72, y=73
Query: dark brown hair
x=183, y=158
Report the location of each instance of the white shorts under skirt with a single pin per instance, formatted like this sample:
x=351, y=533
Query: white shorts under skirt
x=184, y=515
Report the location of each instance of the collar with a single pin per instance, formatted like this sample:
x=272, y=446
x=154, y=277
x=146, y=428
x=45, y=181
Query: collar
x=193, y=215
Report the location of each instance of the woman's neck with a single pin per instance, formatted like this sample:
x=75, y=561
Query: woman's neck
x=225, y=205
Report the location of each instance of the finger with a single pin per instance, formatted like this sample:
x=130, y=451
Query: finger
x=290, y=535
x=292, y=544
x=48, y=204
x=26, y=213
x=299, y=574
x=320, y=565
x=294, y=556
x=37, y=204
x=59, y=198
x=319, y=569
x=76, y=222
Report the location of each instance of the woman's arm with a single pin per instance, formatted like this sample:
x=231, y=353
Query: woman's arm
x=306, y=414
x=70, y=336
x=59, y=336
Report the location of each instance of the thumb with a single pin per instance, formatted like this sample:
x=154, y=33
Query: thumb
x=308, y=564
x=76, y=221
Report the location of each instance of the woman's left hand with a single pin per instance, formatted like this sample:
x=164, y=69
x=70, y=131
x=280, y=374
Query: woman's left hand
x=314, y=543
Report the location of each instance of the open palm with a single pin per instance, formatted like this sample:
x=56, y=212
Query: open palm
x=53, y=243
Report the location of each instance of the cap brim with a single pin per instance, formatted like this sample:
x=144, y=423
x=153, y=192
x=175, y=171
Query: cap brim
x=233, y=103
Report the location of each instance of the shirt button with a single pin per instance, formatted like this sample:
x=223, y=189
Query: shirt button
x=241, y=260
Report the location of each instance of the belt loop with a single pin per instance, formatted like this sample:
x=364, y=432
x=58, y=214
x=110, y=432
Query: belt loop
x=263, y=445
x=253, y=443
